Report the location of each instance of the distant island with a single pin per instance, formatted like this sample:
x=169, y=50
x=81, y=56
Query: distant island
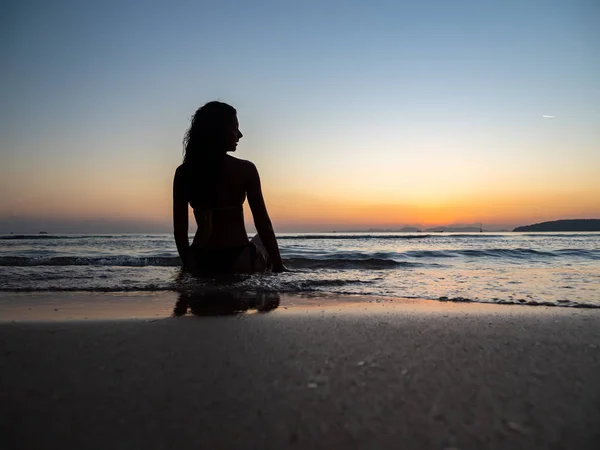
x=564, y=225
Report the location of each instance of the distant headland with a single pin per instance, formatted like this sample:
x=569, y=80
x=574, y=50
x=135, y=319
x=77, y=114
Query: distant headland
x=563, y=225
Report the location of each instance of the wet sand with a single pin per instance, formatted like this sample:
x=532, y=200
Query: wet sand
x=311, y=373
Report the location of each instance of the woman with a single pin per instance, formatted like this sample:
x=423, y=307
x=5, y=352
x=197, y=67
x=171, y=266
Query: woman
x=216, y=184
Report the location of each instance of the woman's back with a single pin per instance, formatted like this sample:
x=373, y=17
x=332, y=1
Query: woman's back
x=218, y=204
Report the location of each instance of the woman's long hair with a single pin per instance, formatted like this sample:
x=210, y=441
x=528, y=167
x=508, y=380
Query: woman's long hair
x=206, y=138
x=205, y=147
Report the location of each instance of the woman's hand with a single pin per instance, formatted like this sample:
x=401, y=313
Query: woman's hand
x=280, y=268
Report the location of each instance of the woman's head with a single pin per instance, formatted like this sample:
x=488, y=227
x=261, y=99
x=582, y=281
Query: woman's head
x=213, y=132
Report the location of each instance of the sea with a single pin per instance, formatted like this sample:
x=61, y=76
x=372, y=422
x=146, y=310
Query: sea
x=553, y=269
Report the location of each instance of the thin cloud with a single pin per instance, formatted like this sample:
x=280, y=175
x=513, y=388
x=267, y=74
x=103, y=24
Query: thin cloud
x=547, y=117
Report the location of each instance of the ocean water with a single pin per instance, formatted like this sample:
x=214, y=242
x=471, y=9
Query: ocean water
x=558, y=269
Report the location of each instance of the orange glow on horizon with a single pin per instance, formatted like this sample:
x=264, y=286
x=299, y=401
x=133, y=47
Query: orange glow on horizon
x=148, y=200
x=515, y=208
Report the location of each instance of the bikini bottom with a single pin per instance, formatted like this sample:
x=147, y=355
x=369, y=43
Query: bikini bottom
x=219, y=260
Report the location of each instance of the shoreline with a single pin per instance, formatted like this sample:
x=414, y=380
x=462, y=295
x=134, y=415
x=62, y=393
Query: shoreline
x=49, y=306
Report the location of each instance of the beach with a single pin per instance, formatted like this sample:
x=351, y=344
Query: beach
x=304, y=372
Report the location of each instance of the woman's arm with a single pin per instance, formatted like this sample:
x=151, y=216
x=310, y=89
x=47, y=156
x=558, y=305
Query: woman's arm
x=262, y=222
x=180, y=216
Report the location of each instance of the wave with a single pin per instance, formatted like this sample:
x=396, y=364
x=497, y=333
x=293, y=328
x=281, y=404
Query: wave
x=20, y=237
x=514, y=253
x=339, y=260
x=559, y=303
x=127, y=261
x=592, y=254
x=148, y=288
x=333, y=263
x=175, y=261
x=398, y=259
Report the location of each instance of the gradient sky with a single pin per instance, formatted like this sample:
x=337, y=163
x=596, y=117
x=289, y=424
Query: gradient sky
x=357, y=114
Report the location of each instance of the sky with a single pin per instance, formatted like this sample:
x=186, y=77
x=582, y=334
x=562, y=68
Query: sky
x=357, y=114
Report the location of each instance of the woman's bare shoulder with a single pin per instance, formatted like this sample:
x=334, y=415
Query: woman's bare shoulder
x=242, y=164
x=179, y=172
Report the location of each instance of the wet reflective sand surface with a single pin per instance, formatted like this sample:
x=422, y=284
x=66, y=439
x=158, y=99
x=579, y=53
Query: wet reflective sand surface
x=290, y=372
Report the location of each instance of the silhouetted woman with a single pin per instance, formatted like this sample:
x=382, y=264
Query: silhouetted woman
x=216, y=184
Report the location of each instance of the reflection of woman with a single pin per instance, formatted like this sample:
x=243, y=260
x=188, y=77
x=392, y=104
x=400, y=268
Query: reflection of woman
x=215, y=185
x=225, y=303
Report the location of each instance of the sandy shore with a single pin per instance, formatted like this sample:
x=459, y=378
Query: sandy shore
x=311, y=373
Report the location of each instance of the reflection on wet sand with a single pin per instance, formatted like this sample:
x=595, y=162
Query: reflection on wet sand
x=220, y=303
